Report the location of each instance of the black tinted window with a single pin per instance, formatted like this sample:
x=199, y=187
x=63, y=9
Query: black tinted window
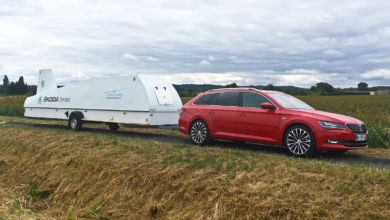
x=250, y=99
x=214, y=99
x=209, y=99
x=228, y=99
x=203, y=100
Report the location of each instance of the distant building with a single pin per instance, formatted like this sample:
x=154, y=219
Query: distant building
x=381, y=92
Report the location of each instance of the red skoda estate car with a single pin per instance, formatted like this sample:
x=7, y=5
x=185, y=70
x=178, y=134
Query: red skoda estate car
x=269, y=117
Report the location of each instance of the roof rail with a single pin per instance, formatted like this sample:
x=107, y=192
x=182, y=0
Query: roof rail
x=232, y=89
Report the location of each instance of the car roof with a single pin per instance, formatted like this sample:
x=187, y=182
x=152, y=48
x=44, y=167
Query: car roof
x=242, y=89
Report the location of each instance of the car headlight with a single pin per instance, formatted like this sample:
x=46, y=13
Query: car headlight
x=331, y=125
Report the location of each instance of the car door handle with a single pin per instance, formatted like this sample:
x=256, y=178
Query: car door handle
x=243, y=115
x=211, y=112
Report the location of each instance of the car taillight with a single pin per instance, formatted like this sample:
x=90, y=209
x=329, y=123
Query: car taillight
x=182, y=111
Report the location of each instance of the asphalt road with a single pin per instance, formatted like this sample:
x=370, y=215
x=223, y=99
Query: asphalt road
x=324, y=156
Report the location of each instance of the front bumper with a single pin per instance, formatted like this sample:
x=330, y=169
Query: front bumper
x=343, y=140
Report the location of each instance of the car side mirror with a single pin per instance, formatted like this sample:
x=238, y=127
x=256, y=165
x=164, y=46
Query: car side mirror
x=267, y=105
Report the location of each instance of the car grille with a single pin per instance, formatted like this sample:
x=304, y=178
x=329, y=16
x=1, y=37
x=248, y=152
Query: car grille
x=355, y=128
x=349, y=143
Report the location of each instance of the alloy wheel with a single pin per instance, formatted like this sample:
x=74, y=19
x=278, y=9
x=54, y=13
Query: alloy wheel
x=298, y=141
x=199, y=132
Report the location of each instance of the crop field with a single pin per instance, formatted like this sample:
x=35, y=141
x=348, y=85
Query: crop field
x=12, y=105
x=374, y=111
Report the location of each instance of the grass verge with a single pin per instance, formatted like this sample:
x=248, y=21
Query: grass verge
x=372, y=152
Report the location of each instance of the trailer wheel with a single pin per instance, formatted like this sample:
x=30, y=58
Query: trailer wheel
x=75, y=122
x=113, y=126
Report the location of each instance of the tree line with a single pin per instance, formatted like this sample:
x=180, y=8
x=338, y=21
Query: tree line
x=321, y=88
x=188, y=90
x=14, y=88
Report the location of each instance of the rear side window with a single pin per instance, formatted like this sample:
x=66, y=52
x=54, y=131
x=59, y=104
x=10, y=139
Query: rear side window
x=228, y=99
x=209, y=99
x=253, y=100
x=203, y=100
x=214, y=99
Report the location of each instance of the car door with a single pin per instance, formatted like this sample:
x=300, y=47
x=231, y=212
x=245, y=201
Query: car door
x=223, y=114
x=255, y=123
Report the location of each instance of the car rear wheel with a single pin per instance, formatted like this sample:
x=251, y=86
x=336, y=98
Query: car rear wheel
x=199, y=132
x=299, y=141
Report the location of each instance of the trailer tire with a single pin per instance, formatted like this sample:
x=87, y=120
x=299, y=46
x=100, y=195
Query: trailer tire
x=75, y=121
x=113, y=126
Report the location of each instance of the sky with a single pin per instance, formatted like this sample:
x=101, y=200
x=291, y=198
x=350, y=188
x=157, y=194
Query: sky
x=250, y=42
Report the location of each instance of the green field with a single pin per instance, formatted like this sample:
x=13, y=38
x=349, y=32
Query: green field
x=374, y=111
x=12, y=105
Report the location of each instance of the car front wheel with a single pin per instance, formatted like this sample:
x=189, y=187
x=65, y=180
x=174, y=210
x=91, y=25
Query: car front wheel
x=299, y=141
x=199, y=132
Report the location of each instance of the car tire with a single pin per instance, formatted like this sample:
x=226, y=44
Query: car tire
x=199, y=132
x=300, y=142
x=113, y=126
x=75, y=123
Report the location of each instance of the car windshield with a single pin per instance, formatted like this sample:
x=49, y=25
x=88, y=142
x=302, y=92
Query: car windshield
x=289, y=102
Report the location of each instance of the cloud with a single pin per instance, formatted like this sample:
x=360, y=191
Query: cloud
x=303, y=72
x=128, y=56
x=379, y=60
x=152, y=59
x=205, y=63
x=380, y=74
x=299, y=77
x=332, y=52
x=256, y=40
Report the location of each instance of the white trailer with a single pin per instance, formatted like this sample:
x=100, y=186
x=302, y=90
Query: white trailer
x=137, y=99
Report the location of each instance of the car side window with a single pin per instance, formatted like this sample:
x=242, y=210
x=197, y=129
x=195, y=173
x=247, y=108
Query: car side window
x=253, y=100
x=203, y=100
x=214, y=99
x=228, y=99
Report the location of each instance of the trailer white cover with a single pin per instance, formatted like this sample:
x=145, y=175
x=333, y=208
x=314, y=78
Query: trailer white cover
x=137, y=99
